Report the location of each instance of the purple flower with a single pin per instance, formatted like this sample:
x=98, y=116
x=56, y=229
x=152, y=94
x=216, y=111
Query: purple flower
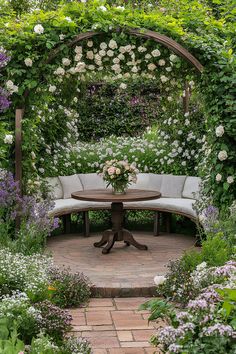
x=199, y=304
x=209, y=218
x=226, y=270
x=4, y=101
x=219, y=329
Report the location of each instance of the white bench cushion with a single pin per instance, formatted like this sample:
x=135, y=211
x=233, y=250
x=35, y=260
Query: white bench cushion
x=91, y=181
x=62, y=206
x=191, y=187
x=172, y=186
x=55, y=187
x=180, y=205
x=149, y=181
x=70, y=184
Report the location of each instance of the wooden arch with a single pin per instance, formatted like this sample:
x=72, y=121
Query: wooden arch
x=157, y=37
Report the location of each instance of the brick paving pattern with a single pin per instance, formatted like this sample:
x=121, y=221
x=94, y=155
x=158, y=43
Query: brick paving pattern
x=115, y=326
x=125, y=271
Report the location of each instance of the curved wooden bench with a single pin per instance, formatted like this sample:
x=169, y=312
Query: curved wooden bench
x=178, y=196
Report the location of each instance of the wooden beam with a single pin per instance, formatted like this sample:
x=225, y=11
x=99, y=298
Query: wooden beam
x=18, y=149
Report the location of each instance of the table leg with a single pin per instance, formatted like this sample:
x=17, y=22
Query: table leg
x=105, y=238
x=129, y=240
x=117, y=233
x=110, y=243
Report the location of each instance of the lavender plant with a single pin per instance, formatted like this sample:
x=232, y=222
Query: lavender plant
x=35, y=224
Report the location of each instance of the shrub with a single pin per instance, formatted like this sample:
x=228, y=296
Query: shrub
x=207, y=325
x=54, y=321
x=68, y=289
x=27, y=274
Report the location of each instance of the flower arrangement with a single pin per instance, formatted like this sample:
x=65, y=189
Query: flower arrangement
x=119, y=174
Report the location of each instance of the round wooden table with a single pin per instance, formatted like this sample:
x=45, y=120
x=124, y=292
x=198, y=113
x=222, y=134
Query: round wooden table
x=117, y=232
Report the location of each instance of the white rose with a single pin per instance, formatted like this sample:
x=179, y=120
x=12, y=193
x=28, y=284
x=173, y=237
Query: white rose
x=230, y=179
x=97, y=57
x=159, y=279
x=164, y=78
x=80, y=67
x=151, y=67
x=59, y=71
x=134, y=69
x=156, y=53
x=11, y=87
x=161, y=62
x=173, y=57
x=103, y=45
x=102, y=53
x=52, y=88
x=116, y=60
x=66, y=61
x=121, y=56
x=90, y=44
x=169, y=98
x=148, y=56
x=218, y=177
x=142, y=49
x=220, y=131
x=112, y=44
x=61, y=37
x=90, y=55
x=33, y=156
x=118, y=171
x=168, y=69
x=110, y=53
x=78, y=50
x=122, y=50
x=38, y=29
x=123, y=86
x=8, y=139
x=72, y=70
x=222, y=155
x=116, y=68
x=28, y=62
x=128, y=48
x=102, y=8
x=78, y=57
x=91, y=67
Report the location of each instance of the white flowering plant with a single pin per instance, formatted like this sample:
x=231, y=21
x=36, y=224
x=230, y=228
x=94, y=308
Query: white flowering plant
x=119, y=174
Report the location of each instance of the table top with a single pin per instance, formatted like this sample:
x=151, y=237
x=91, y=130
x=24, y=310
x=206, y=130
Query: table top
x=105, y=195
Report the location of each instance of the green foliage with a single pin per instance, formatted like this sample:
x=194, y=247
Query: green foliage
x=9, y=342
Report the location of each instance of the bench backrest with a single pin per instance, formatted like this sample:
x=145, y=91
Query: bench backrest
x=170, y=186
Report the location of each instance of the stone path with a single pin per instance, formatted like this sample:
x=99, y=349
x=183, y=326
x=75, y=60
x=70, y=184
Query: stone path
x=114, y=326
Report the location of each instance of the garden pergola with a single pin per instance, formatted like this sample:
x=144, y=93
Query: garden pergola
x=160, y=38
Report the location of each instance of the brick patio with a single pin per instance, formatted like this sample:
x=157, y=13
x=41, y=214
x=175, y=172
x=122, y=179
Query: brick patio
x=125, y=271
x=114, y=326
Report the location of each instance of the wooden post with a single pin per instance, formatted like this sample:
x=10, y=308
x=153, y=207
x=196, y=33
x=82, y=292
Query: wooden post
x=18, y=150
x=186, y=98
x=156, y=223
